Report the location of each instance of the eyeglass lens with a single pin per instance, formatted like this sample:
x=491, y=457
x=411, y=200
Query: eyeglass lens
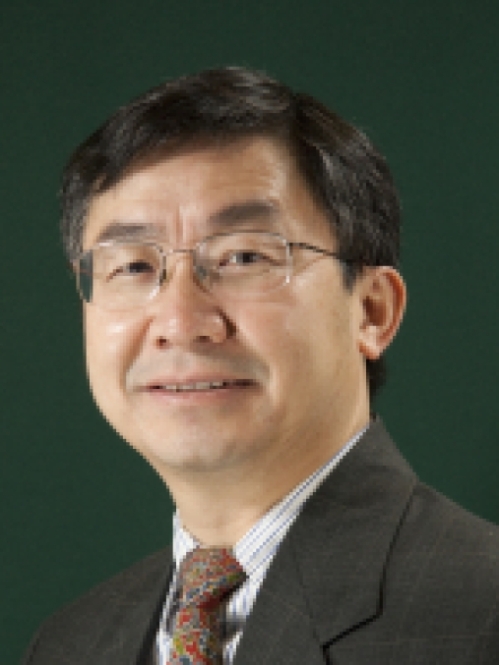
x=127, y=275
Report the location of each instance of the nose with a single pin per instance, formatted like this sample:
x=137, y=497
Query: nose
x=183, y=313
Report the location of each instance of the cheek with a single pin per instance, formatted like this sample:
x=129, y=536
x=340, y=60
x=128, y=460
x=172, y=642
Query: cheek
x=279, y=335
x=317, y=338
x=110, y=344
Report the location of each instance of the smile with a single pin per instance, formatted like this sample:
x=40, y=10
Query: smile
x=200, y=386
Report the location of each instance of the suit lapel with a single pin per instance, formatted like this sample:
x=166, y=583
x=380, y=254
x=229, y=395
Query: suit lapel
x=279, y=630
x=326, y=578
x=129, y=632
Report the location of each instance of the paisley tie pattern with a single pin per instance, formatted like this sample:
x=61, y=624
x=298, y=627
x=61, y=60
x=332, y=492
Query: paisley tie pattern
x=206, y=578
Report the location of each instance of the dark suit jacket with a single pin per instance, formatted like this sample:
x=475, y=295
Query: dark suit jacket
x=378, y=570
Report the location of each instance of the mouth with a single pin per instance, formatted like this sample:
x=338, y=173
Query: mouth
x=200, y=386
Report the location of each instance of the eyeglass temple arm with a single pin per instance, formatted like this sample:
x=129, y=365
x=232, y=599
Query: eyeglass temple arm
x=319, y=250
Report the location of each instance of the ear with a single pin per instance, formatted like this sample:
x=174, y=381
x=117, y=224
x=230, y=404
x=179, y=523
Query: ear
x=382, y=298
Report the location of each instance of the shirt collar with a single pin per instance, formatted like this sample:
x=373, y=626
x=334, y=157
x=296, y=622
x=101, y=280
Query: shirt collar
x=256, y=548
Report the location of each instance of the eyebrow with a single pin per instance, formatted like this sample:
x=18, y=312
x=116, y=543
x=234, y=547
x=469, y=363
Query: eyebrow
x=117, y=230
x=236, y=214
x=242, y=213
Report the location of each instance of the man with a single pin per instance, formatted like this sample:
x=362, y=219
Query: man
x=236, y=249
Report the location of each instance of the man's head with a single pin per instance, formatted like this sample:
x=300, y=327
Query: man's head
x=228, y=366
x=345, y=174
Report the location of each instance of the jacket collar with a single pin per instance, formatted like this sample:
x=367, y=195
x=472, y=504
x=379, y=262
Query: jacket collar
x=327, y=577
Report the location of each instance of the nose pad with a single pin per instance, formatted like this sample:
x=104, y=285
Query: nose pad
x=202, y=274
x=162, y=276
x=168, y=267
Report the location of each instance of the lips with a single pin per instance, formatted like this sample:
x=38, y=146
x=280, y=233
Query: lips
x=198, y=386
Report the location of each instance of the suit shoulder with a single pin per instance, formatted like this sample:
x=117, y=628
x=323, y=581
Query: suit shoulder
x=441, y=582
x=127, y=582
x=447, y=524
x=445, y=554
x=131, y=595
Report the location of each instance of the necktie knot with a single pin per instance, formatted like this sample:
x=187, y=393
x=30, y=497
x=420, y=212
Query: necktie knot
x=207, y=576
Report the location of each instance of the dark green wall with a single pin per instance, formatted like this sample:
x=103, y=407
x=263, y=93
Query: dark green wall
x=421, y=77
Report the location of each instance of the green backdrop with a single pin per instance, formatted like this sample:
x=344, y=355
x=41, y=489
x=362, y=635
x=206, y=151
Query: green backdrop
x=421, y=77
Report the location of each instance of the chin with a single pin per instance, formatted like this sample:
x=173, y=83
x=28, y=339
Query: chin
x=192, y=457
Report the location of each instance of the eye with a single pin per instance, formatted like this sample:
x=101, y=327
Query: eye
x=131, y=269
x=246, y=258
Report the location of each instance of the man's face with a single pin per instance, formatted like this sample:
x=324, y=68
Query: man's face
x=295, y=386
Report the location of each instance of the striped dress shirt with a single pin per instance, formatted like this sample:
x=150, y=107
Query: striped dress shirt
x=254, y=551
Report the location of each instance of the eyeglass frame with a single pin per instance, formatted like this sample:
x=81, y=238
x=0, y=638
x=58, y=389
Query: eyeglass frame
x=194, y=251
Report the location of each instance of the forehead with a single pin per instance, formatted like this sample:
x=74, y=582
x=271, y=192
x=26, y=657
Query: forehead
x=186, y=195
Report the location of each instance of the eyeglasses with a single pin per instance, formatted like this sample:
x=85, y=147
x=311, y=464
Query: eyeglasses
x=125, y=275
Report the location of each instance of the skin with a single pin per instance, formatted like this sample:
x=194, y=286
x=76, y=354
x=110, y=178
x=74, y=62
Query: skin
x=228, y=455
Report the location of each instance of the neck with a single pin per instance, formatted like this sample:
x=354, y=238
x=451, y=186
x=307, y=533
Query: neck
x=218, y=507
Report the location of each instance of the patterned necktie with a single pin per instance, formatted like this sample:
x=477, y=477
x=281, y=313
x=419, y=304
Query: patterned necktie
x=206, y=578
